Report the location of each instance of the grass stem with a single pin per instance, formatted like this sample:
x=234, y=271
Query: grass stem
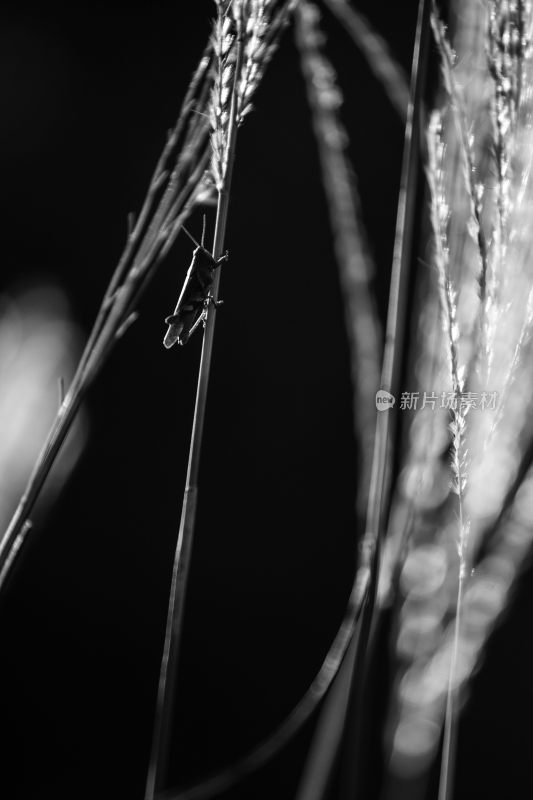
x=158, y=767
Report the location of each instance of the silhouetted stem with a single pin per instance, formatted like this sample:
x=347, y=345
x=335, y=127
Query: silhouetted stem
x=158, y=767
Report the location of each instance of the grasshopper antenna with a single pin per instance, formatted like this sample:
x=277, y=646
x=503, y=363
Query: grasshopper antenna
x=191, y=237
x=203, y=231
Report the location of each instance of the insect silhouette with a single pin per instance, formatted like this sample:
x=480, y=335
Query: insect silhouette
x=195, y=298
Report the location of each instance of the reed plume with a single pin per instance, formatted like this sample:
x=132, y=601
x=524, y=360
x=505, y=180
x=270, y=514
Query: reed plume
x=482, y=274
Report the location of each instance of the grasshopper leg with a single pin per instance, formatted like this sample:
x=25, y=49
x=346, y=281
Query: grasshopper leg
x=222, y=259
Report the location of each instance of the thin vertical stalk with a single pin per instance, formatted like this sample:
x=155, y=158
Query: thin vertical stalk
x=158, y=767
x=449, y=745
x=385, y=424
x=448, y=306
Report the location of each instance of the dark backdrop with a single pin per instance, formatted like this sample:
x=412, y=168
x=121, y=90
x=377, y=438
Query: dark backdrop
x=87, y=93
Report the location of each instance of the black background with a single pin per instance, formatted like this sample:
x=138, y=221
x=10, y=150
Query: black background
x=87, y=93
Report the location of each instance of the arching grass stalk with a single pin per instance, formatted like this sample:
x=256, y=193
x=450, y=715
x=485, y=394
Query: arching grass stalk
x=328, y=735
x=362, y=327
x=173, y=191
x=376, y=51
x=271, y=746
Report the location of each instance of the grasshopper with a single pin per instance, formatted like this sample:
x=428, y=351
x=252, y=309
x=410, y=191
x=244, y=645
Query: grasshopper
x=195, y=298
